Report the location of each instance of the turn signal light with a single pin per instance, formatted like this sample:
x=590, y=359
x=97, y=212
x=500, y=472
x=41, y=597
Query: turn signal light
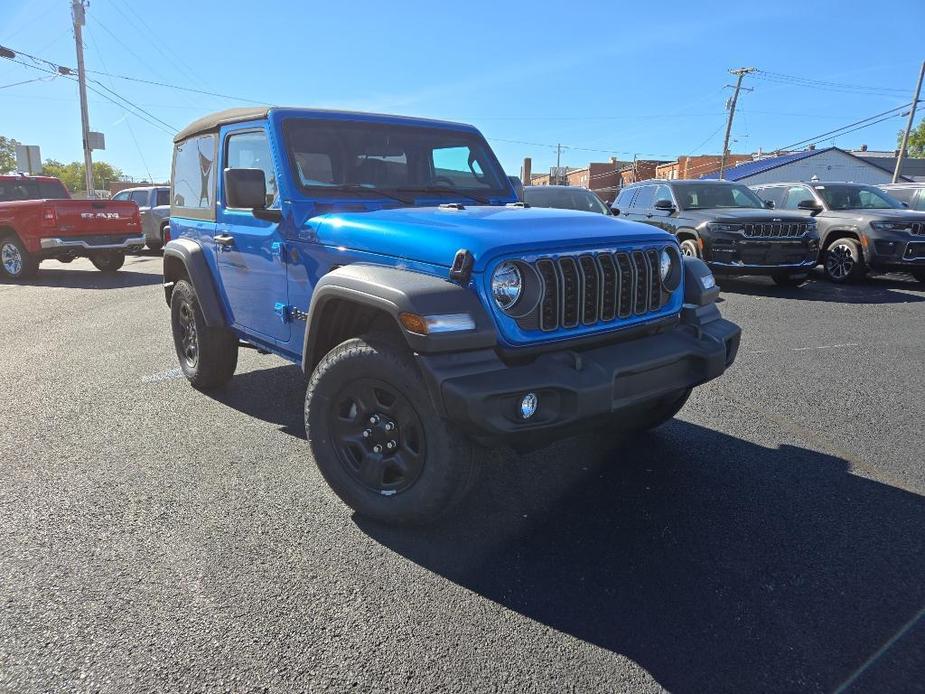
x=413, y=323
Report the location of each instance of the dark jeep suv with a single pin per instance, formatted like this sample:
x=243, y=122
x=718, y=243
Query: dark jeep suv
x=726, y=225
x=861, y=227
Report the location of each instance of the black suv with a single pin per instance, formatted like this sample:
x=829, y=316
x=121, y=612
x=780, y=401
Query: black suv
x=861, y=227
x=726, y=225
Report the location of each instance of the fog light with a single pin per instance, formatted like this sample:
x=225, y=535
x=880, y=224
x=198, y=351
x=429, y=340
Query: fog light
x=528, y=405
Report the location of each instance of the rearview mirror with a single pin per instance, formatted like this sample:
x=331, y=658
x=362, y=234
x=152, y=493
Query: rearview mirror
x=663, y=204
x=245, y=189
x=810, y=205
x=769, y=204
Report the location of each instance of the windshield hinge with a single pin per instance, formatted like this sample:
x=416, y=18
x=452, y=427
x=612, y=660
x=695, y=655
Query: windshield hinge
x=452, y=206
x=287, y=314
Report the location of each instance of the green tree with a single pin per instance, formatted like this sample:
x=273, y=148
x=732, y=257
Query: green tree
x=72, y=175
x=916, y=146
x=7, y=154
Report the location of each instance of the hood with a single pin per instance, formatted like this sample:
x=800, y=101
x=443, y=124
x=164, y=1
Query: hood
x=434, y=235
x=746, y=214
x=890, y=215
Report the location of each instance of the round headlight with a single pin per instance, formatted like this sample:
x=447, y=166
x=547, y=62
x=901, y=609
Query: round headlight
x=664, y=264
x=506, y=285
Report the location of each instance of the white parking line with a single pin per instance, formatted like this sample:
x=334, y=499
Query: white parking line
x=168, y=375
x=802, y=349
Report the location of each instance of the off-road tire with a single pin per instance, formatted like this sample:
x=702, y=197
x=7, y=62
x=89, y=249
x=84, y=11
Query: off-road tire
x=108, y=261
x=787, y=279
x=445, y=469
x=215, y=355
x=16, y=263
x=843, y=261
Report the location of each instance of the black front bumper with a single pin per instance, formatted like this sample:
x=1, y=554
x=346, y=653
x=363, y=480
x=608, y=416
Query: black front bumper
x=890, y=254
x=747, y=256
x=578, y=389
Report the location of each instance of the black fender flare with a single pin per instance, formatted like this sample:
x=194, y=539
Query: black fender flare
x=188, y=254
x=685, y=231
x=395, y=291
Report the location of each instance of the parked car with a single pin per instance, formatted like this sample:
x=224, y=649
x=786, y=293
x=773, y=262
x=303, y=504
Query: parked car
x=726, y=225
x=861, y=227
x=39, y=221
x=565, y=198
x=913, y=194
x=428, y=309
x=154, y=205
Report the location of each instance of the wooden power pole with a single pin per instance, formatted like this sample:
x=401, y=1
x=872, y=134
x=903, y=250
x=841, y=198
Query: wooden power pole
x=905, y=143
x=739, y=73
x=78, y=10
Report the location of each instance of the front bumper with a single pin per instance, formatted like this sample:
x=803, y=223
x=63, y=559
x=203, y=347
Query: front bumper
x=888, y=254
x=109, y=242
x=735, y=254
x=578, y=389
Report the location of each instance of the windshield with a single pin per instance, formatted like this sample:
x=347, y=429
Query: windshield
x=30, y=189
x=564, y=198
x=392, y=159
x=708, y=196
x=849, y=196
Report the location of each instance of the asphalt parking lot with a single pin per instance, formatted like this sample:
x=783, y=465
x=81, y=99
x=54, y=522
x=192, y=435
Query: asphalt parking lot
x=154, y=538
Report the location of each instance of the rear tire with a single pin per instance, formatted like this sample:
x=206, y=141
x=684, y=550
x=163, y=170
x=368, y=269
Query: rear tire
x=844, y=261
x=377, y=438
x=108, y=261
x=786, y=279
x=208, y=356
x=16, y=263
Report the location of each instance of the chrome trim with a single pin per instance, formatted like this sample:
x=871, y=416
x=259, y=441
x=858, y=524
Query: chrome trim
x=739, y=264
x=52, y=243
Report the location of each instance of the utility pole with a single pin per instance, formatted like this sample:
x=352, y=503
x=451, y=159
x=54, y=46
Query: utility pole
x=739, y=73
x=902, y=149
x=78, y=10
x=558, y=164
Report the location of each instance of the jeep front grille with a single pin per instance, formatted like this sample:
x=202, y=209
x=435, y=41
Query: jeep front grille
x=598, y=288
x=774, y=230
x=918, y=228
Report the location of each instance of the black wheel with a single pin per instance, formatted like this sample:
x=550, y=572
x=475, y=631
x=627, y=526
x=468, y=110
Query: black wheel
x=690, y=247
x=208, y=356
x=16, y=262
x=155, y=245
x=110, y=261
x=919, y=275
x=844, y=261
x=377, y=439
x=786, y=279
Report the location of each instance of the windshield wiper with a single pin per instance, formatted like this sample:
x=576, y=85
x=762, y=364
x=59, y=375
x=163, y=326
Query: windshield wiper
x=444, y=190
x=357, y=188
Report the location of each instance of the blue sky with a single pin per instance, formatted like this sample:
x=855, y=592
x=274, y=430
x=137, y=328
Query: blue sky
x=621, y=78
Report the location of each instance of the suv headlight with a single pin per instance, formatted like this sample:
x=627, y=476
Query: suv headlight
x=506, y=285
x=811, y=226
x=670, y=268
x=718, y=226
x=892, y=226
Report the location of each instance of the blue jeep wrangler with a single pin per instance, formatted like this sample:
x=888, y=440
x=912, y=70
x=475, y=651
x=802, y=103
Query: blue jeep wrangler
x=428, y=309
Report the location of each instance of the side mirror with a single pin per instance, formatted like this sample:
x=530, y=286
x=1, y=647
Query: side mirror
x=810, y=205
x=665, y=205
x=247, y=189
x=615, y=211
x=769, y=204
x=905, y=204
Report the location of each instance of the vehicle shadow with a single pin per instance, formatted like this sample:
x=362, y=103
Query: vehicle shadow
x=876, y=289
x=275, y=395
x=87, y=279
x=714, y=563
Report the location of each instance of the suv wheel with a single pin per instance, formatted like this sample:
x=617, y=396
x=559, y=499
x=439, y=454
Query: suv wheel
x=786, y=279
x=377, y=439
x=15, y=261
x=690, y=247
x=208, y=356
x=109, y=261
x=844, y=261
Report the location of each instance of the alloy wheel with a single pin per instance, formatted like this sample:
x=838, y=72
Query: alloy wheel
x=11, y=259
x=378, y=436
x=839, y=261
x=189, y=336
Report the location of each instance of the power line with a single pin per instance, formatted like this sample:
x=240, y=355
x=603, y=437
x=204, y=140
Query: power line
x=837, y=131
x=823, y=84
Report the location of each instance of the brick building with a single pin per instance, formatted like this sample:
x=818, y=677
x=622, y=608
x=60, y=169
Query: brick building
x=695, y=167
x=639, y=170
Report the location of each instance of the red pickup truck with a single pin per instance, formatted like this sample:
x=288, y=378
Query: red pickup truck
x=40, y=221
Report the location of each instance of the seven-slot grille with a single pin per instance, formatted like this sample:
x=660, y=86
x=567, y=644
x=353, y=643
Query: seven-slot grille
x=774, y=230
x=598, y=287
x=918, y=228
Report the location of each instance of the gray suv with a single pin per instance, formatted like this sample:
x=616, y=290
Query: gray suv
x=154, y=205
x=861, y=227
x=727, y=226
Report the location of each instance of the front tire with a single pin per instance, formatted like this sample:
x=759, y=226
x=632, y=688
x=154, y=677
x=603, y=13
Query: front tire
x=16, y=263
x=844, y=261
x=108, y=262
x=208, y=356
x=377, y=439
x=786, y=279
x=690, y=247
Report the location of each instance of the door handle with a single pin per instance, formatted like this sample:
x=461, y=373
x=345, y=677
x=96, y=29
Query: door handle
x=224, y=240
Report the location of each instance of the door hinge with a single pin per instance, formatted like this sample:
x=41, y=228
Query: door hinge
x=287, y=314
